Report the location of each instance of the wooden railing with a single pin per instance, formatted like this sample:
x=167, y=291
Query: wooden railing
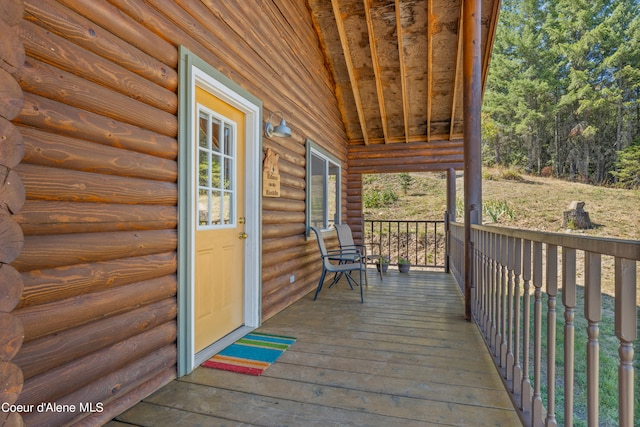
x=514, y=273
x=421, y=242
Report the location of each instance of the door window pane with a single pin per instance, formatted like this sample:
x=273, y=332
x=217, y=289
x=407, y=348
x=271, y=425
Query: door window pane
x=216, y=170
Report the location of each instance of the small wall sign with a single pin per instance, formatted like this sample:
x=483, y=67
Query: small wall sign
x=270, y=174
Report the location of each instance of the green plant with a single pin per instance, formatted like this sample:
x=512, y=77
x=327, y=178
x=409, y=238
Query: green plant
x=628, y=165
x=375, y=198
x=382, y=260
x=403, y=260
x=497, y=209
x=405, y=182
x=512, y=175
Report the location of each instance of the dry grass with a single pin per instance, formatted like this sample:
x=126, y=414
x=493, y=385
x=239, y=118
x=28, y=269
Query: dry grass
x=536, y=202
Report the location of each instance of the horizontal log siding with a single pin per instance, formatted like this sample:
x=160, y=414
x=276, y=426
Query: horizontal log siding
x=94, y=278
x=402, y=157
x=354, y=206
x=12, y=198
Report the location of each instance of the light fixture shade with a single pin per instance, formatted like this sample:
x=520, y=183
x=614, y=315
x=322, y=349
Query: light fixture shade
x=282, y=130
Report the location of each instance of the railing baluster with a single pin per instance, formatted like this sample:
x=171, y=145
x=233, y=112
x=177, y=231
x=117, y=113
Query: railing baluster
x=503, y=301
x=417, y=232
x=517, y=270
x=494, y=294
x=475, y=288
x=552, y=292
x=537, y=408
x=627, y=332
x=485, y=279
x=510, y=268
x=483, y=300
x=398, y=239
x=593, y=314
x=510, y=314
x=400, y=244
x=526, y=322
x=435, y=242
x=569, y=302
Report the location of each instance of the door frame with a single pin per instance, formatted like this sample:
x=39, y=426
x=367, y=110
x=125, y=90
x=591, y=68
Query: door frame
x=194, y=71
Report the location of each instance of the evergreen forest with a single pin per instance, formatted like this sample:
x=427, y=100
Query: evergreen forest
x=563, y=93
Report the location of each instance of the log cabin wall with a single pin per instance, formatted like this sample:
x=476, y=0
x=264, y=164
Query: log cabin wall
x=99, y=125
x=12, y=197
x=394, y=158
x=355, y=215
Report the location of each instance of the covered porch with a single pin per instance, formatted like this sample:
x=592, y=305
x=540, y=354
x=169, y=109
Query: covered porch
x=407, y=356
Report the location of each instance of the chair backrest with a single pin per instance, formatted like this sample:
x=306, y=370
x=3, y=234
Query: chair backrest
x=320, y=240
x=345, y=237
x=326, y=262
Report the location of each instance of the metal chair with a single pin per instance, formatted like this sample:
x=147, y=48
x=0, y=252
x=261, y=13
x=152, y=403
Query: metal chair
x=345, y=237
x=343, y=262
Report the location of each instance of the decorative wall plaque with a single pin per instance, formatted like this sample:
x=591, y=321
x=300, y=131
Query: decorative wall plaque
x=270, y=174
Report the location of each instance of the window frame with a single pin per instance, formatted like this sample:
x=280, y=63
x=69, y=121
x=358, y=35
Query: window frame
x=313, y=149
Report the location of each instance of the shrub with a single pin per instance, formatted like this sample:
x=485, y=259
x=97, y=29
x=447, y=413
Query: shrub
x=405, y=182
x=546, y=171
x=512, y=175
x=379, y=198
x=497, y=209
x=488, y=175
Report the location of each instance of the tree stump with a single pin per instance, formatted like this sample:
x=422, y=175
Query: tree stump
x=576, y=218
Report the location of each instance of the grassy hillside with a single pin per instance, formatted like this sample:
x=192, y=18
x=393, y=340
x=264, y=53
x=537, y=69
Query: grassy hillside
x=525, y=201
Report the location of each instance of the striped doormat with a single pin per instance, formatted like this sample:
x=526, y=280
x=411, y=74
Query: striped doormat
x=251, y=354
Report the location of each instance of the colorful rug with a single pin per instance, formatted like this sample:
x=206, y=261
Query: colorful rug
x=251, y=354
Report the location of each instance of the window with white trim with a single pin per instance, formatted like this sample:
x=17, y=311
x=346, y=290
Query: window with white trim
x=323, y=187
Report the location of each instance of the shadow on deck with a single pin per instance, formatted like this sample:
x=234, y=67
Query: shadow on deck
x=404, y=357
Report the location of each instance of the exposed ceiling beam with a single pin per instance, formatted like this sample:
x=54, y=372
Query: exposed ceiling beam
x=352, y=76
x=457, y=74
x=489, y=46
x=399, y=139
x=376, y=68
x=403, y=72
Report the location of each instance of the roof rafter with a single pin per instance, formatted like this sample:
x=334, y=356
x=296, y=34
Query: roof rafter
x=352, y=76
x=456, y=76
x=403, y=72
x=376, y=68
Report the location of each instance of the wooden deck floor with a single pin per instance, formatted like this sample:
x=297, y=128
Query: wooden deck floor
x=406, y=357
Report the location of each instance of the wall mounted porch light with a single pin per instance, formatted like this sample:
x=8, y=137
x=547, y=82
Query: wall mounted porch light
x=282, y=130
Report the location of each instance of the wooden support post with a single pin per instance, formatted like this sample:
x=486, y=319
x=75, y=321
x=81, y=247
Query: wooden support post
x=450, y=214
x=472, y=76
x=451, y=194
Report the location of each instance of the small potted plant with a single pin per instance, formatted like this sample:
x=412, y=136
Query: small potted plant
x=382, y=263
x=403, y=264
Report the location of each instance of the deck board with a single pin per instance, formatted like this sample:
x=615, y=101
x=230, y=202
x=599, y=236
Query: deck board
x=404, y=357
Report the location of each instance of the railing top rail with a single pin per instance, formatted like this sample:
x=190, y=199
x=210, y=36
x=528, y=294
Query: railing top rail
x=628, y=249
x=403, y=220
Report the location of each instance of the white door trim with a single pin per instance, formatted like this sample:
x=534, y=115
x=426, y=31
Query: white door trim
x=200, y=74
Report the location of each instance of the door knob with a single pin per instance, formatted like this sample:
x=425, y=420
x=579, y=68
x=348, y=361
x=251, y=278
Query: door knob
x=242, y=235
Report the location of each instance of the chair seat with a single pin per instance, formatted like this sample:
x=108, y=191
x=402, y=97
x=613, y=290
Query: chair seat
x=344, y=262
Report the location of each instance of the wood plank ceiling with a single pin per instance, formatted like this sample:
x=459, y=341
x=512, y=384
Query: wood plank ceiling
x=397, y=66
